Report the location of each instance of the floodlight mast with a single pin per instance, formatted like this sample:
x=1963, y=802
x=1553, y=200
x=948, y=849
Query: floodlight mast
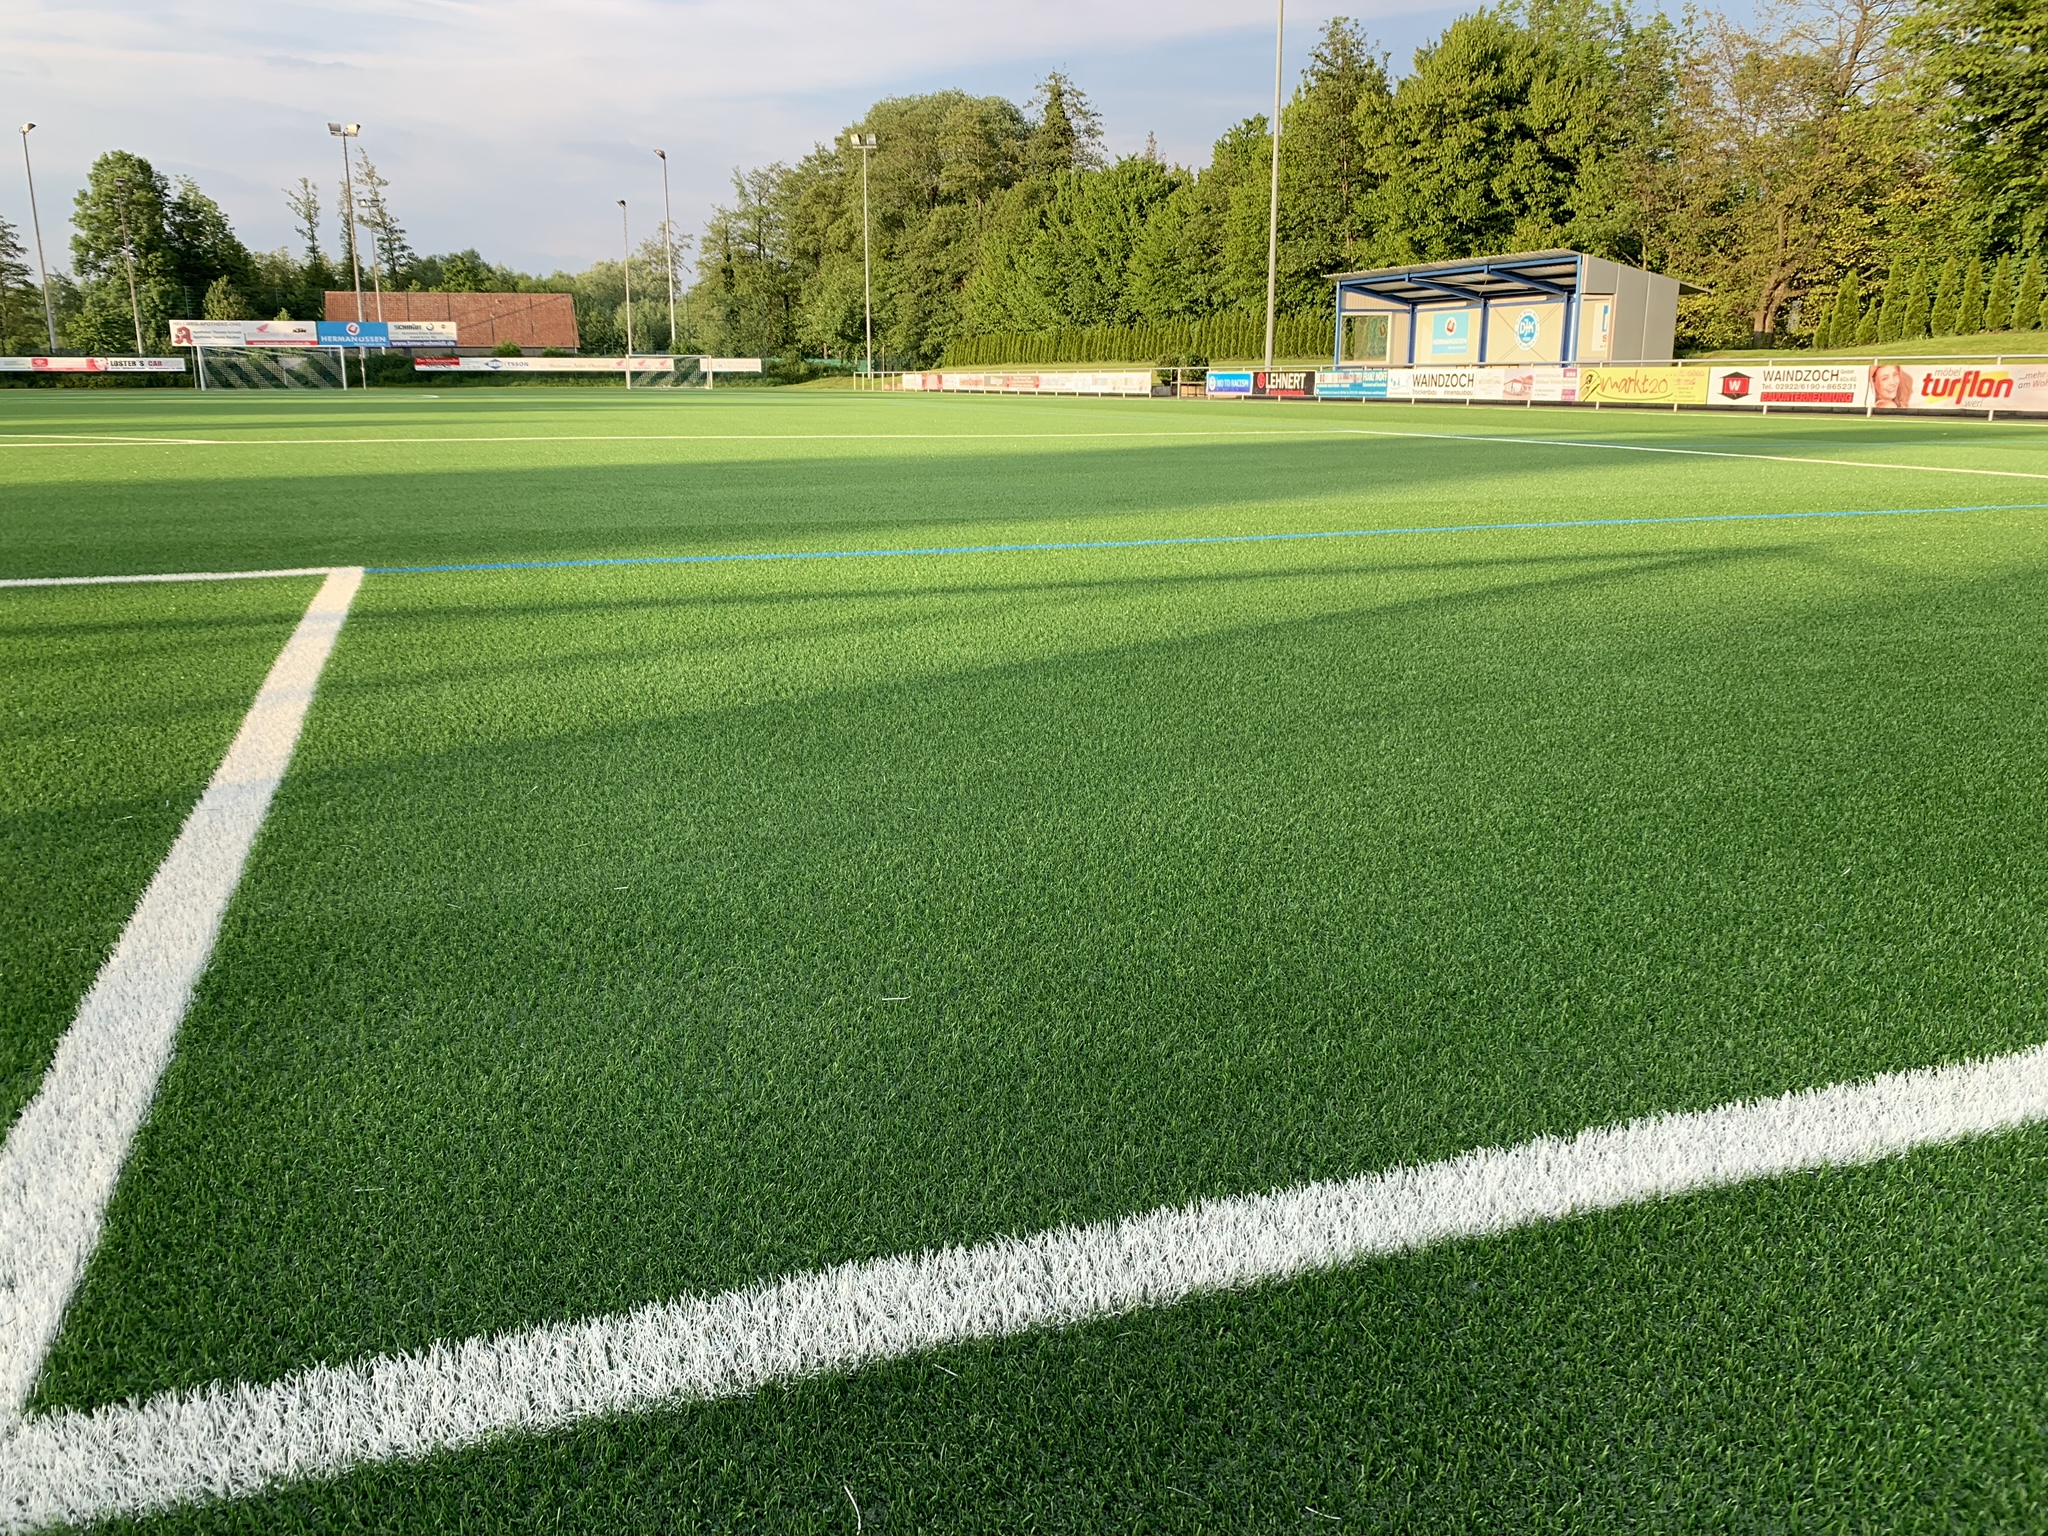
x=866, y=144
x=1273, y=206
x=35, y=218
x=345, y=132
x=668, y=247
x=626, y=235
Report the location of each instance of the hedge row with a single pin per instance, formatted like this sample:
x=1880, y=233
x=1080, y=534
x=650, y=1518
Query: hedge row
x=1235, y=335
x=1956, y=298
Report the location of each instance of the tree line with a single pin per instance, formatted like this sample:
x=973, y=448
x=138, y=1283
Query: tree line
x=1844, y=170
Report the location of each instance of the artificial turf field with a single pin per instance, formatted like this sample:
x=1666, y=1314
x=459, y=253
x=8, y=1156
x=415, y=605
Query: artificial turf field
x=641, y=931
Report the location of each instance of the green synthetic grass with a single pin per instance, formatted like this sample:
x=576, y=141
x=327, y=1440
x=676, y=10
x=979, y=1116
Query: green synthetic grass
x=1834, y=1352
x=118, y=704
x=562, y=976
x=401, y=479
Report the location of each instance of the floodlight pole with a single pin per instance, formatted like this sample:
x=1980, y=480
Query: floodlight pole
x=626, y=235
x=865, y=143
x=128, y=255
x=35, y=218
x=345, y=132
x=668, y=246
x=1273, y=208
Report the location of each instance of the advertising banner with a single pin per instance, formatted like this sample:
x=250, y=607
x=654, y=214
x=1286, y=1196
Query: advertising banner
x=244, y=333
x=1554, y=385
x=1351, y=383
x=354, y=333
x=206, y=333
x=1284, y=384
x=1525, y=333
x=729, y=364
x=280, y=333
x=1450, y=333
x=92, y=365
x=1812, y=385
x=421, y=333
x=1958, y=387
x=1441, y=383
x=541, y=365
x=1643, y=386
x=1136, y=383
x=1237, y=384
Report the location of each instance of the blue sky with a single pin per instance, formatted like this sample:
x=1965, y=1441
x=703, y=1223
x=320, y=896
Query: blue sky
x=514, y=125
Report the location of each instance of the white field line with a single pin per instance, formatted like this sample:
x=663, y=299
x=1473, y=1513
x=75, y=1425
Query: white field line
x=885, y=437
x=102, y=581
x=1707, y=453
x=60, y=1162
x=223, y=1441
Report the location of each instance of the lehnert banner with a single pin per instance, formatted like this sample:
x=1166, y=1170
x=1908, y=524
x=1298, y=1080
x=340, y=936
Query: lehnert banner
x=543, y=364
x=92, y=365
x=245, y=333
x=1136, y=383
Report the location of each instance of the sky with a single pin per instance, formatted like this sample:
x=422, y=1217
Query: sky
x=514, y=126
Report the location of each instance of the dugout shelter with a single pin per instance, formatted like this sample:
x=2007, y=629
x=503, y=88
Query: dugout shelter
x=1531, y=307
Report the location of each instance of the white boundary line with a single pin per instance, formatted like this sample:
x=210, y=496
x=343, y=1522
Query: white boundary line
x=1704, y=453
x=105, y=581
x=64, y=1154
x=872, y=437
x=225, y=1441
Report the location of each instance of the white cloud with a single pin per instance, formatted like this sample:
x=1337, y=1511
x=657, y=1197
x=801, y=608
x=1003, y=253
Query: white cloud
x=512, y=126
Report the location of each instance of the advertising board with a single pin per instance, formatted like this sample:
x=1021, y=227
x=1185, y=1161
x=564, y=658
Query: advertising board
x=1284, y=384
x=421, y=333
x=1643, y=386
x=729, y=364
x=92, y=365
x=280, y=333
x=1351, y=383
x=248, y=333
x=207, y=333
x=1441, y=383
x=1450, y=333
x=541, y=365
x=1132, y=383
x=1958, y=387
x=1232, y=384
x=1525, y=333
x=354, y=333
x=1815, y=386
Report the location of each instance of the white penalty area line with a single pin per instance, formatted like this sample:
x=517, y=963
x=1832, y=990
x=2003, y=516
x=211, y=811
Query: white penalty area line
x=62, y=1158
x=230, y=1440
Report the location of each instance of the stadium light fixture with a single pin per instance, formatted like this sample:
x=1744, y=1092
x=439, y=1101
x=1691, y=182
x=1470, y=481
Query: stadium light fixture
x=668, y=246
x=35, y=218
x=128, y=255
x=866, y=144
x=626, y=235
x=1273, y=198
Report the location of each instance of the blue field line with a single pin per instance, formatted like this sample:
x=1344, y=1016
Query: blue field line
x=1218, y=538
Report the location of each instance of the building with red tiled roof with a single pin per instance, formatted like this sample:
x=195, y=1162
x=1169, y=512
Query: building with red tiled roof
x=531, y=321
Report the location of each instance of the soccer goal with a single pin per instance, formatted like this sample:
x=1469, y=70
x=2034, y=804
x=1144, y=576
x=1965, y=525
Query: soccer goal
x=270, y=368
